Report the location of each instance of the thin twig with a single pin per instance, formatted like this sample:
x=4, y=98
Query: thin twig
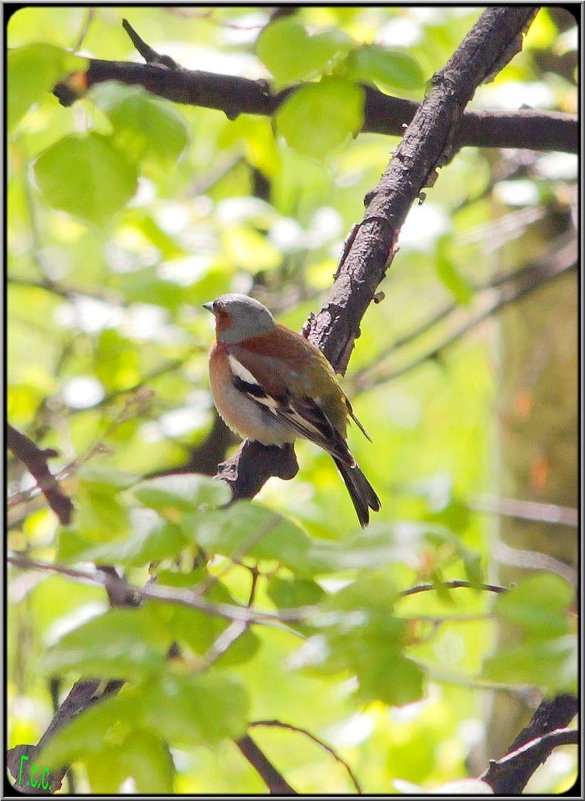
x=533, y=560
x=68, y=291
x=526, y=510
x=89, y=17
x=452, y=585
x=376, y=374
x=279, y=724
x=171, y=595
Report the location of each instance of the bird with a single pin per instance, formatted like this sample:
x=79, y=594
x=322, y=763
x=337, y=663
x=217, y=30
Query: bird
x=271, y=385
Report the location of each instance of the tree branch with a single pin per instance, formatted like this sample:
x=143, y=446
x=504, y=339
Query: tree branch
x=372, y=244
x=526, y=510
x=274, y=780
x=280, y=725
x=526, y=128
x=510, y=774
x=87, y=692
x=517, y=286
x=452, y=585
x=35, y=461
x=125, y=594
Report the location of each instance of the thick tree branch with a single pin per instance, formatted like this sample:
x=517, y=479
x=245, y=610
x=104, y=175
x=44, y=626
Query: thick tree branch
x=427, y=145
x=547, y=730
x=508, y=775
x=525, y=128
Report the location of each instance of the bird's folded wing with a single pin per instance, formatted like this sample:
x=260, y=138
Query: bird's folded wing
x=303, y=415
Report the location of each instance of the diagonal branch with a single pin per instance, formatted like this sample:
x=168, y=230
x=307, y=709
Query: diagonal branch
x=427, y=144
x=509, y=775
x=35, y=461
x=554, y=265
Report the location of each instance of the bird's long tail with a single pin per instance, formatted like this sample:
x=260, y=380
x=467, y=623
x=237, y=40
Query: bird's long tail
x=360, y=490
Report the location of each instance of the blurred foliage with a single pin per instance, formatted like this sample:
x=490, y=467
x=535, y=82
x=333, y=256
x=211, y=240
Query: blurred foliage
x=126, y=213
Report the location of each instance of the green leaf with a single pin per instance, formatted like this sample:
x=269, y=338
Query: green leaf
x=199, y=630
x=538, y=604
x=473, y=568
x=547, y=656
x=389, y=677
x=290, y=593
x=149, y=539
x=550, y=664
x=33, y=71
x=359, y=633
x=114, y=645
x=249, y=249
x=146, y=757
x=381, y=544
x=144, y=127
x=107, y=477
x=290, y=53
x=174, y=495
x=99, y=726
x=448, y=273
x=100, y=514
x=250, y=529
x=142, y=756
x=86, y=176
x=319, y=117
x=196, y=708
x=389, y=68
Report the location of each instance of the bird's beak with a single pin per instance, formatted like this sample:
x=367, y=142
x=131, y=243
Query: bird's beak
x=208, y=306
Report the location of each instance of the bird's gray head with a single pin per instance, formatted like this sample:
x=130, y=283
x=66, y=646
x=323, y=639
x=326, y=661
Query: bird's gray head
x=238, y=317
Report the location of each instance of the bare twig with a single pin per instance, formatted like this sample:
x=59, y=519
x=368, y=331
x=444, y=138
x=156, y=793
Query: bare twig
x=68, y=291
x=280, y=725
x=513, y=291
x=452, y=585
x=89, y=17
x=119, y=586
x=526, y=510
x=532, y=560
x=147, y=53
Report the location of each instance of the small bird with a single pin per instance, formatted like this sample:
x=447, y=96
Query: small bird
x=271, y=385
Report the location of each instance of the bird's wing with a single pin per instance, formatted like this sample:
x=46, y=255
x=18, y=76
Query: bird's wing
x=303, y=415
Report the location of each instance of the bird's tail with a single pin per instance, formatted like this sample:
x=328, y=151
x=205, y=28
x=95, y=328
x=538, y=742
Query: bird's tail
x=360, y=491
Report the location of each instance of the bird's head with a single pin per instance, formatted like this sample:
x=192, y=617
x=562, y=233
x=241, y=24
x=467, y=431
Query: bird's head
x=238, y=317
